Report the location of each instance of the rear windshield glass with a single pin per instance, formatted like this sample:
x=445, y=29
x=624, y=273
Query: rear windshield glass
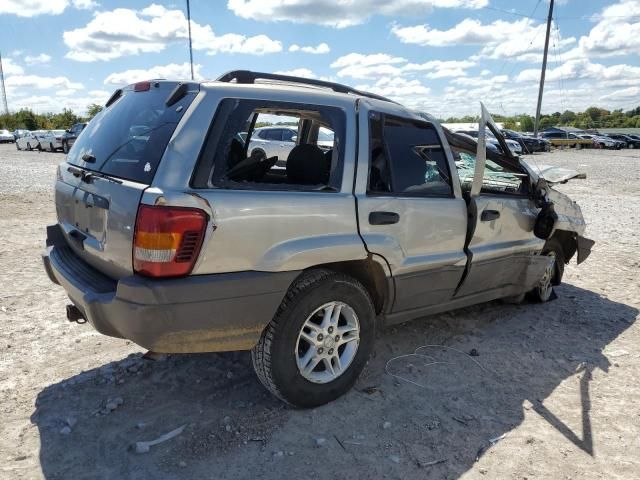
x=128, y=138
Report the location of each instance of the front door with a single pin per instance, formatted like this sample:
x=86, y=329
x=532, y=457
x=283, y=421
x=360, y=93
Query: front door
x=504, y=250
x=409, y=210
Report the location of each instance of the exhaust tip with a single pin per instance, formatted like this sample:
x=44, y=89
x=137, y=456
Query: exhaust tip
x=75, y=315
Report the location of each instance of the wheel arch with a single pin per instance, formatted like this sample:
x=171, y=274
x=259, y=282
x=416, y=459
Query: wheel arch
x=371, y=273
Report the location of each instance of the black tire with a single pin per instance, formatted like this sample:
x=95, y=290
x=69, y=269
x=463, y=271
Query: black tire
x=51, y=149
x=258, y=153
x=29, y=147
x=552, y=246
x=65, y=147
x=274, y=357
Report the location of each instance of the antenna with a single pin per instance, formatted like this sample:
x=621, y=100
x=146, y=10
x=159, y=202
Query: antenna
x=4, y=92
x=189, y=27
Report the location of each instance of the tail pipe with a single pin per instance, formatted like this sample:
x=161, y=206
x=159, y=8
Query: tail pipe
x=75, y=315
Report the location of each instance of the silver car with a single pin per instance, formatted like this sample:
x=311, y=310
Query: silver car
x=171, y=234
x=6, y=136
x=278, y=141
x=30, y=140
x=51, y=140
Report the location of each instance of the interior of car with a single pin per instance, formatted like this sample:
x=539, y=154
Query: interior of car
x=302, y=160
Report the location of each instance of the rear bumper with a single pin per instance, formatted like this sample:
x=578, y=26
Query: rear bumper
x=199, y=313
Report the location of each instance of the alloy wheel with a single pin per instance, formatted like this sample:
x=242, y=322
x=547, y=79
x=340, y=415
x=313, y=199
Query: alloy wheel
x=328, y=342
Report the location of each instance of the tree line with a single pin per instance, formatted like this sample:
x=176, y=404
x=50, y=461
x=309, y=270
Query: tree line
x=28, y=120
x=591, y=118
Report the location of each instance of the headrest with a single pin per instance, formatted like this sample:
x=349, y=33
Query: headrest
x=308, y=165
x=236, y=153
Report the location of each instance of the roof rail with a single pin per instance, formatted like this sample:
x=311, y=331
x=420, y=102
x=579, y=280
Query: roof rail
x=249, y=77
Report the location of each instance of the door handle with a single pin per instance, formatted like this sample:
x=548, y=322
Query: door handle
x=383, y=218
x=488, y=215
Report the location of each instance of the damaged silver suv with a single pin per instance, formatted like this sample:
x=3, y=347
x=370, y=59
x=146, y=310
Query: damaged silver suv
x=171, y=234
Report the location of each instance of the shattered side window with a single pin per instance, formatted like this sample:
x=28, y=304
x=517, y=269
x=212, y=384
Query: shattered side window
x=496, y=178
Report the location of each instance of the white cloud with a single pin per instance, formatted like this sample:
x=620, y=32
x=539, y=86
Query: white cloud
x=357, y=65
x=396, y=87
x=171, y=71
x=33, y=8
x=298, y=72
x=85, y=4
x=37, y=59
x=123, y=31
x=318, y=49
x=441, y=68
x=519, y=40
x=612, y=75
x=62, y=99
x=9, y=67
x=18, y=82
x=616, y=33
x=339, y=14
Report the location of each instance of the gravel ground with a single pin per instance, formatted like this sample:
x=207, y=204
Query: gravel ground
x=554, y=393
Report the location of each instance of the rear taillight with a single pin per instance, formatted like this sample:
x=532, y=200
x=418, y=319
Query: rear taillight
x=167, y=240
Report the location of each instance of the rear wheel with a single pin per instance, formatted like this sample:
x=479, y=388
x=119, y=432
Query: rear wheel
x=29, y=146
x=65, y=147
x=319, y=340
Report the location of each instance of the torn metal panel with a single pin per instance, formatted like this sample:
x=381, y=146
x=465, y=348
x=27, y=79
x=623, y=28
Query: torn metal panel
x=553, y=175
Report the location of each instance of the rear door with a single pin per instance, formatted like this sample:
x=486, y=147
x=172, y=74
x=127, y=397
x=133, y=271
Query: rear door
x=409, y=210
x=115, y=158
x=502, y=245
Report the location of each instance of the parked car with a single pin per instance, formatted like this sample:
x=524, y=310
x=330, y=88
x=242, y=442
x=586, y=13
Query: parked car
x=564, y=139
x=70, y=135
x=602, y=142
x=51, y=140
x=6, y=136
x=29, y=141
x=278, y=141
x=628, y=141
x=182, y=241
x=19, y=133
x=527, y=143
x=514, y=146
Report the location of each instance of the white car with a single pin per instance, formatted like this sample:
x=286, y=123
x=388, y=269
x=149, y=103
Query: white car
x=6, y=136
x=29, y=141
x=51, y=140
x=268, y=142
x=602, y=142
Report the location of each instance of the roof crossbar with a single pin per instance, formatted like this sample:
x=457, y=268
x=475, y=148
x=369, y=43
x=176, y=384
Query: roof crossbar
x=249, y=77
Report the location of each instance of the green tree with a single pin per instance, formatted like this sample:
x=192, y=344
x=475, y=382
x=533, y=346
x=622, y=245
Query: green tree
x=93, y=110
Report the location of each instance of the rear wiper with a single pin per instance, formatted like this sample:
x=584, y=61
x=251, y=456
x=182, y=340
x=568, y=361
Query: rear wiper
x=87, y=176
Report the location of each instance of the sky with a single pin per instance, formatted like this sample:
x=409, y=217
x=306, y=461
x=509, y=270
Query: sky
x=439, y=56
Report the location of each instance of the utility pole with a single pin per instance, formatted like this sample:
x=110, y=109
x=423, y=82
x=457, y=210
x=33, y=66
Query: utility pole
x=544, y=68
x=4, y=92
x=189, y=27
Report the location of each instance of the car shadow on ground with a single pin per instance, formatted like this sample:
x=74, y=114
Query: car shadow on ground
x=425, y=415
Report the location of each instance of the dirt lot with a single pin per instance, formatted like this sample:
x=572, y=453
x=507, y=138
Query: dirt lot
x=554, y=394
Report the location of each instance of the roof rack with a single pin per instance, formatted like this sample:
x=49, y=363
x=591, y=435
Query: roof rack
x=249, y=77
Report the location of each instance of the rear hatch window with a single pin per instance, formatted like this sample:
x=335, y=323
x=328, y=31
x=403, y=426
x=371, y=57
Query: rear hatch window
x=128, y=137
